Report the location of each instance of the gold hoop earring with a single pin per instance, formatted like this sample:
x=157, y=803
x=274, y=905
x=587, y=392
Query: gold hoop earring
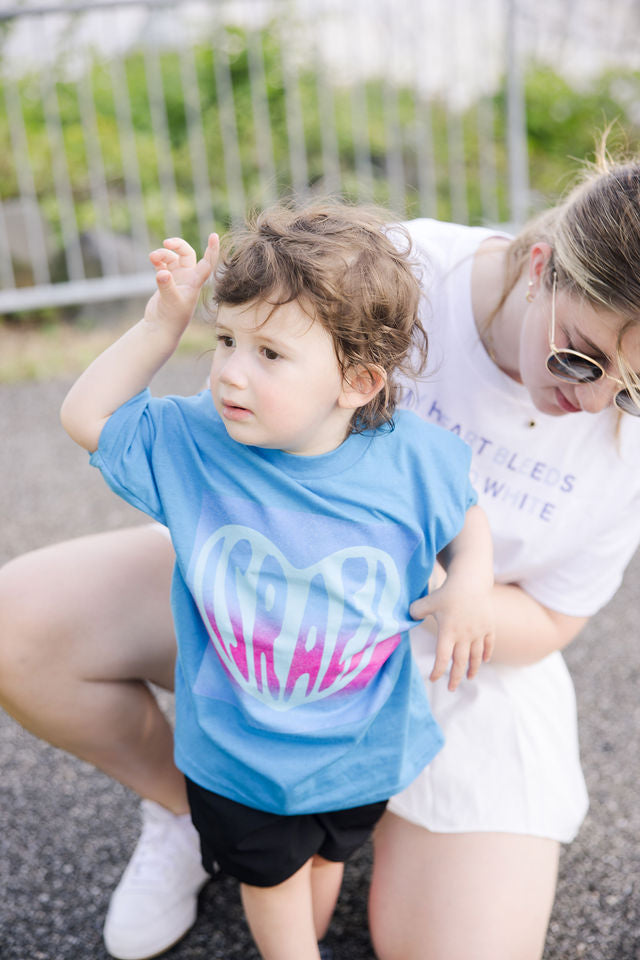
x=530, y=297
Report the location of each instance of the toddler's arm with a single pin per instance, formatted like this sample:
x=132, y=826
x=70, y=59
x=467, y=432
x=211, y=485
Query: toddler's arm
x=463, y=606
x=128, y=366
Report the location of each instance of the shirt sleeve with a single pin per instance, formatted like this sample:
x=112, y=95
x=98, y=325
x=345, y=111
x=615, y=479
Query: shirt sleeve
x=590, y=577
x=125, y=455
x=454, y=493
x=472, y=496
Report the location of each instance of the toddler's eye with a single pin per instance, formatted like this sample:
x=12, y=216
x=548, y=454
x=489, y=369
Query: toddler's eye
x=225, y=340
x=270, y=354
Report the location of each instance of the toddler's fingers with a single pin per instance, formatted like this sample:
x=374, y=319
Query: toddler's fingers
x=421, y=608
x=476, y=656
x=185, y=253
x=459, y=666
x=443, y=657
x=164, y=278
x=212, y=252
x=163, y=258
x=489, y=644
x=201, y=272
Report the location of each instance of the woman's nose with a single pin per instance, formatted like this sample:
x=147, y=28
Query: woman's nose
x=594, y=397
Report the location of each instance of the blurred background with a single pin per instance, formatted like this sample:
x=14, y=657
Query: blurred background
x=126, y=121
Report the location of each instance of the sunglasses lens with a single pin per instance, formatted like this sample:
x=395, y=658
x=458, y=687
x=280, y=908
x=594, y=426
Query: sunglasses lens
x=626, y=402
x=572, y=367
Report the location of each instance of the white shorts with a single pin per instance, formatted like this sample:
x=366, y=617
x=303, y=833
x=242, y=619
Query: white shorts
x=510, y=763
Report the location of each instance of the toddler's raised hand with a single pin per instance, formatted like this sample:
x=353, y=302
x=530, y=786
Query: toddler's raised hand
x=180, y=277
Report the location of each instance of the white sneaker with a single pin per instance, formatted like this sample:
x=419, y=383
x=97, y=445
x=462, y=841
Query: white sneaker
x=156, y=901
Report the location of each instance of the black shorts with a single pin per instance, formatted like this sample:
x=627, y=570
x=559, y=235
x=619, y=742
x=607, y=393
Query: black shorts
x=264, y=849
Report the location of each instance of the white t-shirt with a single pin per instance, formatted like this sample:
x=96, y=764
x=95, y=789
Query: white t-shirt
x=563, y=499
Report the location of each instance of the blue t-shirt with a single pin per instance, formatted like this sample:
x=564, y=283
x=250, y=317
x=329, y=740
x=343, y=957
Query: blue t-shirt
x=296, y=691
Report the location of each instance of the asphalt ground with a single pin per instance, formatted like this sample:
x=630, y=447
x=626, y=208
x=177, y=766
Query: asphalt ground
x=66, y=831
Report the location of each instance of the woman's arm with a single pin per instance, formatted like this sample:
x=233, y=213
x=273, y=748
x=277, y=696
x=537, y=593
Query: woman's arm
x=527, y=631
x=128, y=366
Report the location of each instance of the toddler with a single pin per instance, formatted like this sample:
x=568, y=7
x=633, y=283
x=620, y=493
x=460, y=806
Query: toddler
x=306, y=514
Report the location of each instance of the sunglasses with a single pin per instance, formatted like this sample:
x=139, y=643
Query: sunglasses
x=575, y=367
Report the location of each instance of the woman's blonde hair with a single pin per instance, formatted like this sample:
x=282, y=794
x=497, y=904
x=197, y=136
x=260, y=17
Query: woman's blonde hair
x=340, y=263
x=594, y=233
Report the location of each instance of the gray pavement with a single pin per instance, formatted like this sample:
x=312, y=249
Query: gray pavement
x=66, y=831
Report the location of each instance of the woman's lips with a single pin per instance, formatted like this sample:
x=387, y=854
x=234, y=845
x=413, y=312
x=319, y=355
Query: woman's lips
x=565, y=404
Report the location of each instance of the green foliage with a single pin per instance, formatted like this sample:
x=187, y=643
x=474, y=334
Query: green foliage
x=369, y=127
x=564, y=124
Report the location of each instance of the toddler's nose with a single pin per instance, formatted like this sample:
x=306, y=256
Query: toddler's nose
x=232, y=371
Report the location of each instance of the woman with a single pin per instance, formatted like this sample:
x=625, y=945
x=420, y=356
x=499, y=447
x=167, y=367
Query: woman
x=476, y=837
x=528, y=338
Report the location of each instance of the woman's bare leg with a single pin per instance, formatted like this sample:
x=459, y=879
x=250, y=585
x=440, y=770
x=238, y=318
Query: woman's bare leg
x=83, y=625
x=482, y=896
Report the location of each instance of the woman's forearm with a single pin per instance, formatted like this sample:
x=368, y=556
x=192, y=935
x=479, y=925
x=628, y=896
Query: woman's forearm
x=526, y=631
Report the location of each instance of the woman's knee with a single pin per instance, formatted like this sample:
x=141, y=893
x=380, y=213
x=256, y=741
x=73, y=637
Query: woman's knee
x=460, y=896
x=100, y=602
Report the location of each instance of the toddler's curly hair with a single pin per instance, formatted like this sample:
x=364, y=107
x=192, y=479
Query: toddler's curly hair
x=350, y=271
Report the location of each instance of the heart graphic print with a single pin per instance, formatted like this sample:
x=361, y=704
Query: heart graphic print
x=288, y=635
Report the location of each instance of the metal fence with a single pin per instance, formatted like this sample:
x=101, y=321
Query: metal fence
x=133, y=120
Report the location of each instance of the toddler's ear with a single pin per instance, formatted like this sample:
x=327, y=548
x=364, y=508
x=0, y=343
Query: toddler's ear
x=360, y=385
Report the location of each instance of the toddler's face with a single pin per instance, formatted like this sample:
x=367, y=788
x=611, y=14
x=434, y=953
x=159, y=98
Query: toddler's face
x=276, y=381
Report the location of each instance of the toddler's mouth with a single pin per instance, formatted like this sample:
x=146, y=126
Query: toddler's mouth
x=231, y=411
